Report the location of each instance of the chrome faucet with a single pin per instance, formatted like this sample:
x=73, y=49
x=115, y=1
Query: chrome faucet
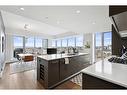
x=71, y=48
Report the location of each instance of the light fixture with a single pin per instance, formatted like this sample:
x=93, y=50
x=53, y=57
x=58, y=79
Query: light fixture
x=26, y=26
x=78, y=11
x=46, y=17
x=22, y=9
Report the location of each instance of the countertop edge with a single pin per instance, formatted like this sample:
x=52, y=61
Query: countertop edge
x=68, y=56
x=102, y=77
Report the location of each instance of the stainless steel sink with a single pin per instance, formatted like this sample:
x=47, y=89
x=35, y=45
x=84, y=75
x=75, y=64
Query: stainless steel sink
x=71, y=54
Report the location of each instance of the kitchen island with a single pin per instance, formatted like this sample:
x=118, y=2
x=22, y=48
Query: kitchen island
x=55, y=69
x=105, y=75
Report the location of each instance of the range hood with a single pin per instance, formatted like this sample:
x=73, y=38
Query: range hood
x=120, y=23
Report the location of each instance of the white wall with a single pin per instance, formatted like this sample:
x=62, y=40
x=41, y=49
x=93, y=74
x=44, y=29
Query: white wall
x=90, y=38
x=9, y=47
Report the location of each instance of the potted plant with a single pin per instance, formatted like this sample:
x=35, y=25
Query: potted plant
x=87, y=45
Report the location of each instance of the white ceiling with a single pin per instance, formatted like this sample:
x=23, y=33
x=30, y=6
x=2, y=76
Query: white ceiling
x=57, y=20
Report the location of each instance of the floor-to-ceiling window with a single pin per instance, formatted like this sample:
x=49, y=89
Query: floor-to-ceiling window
x=38, y=45
x=18, y=42
x=64, y=42
x=79, y=41
x=18, y=45
x=98, y=46
x=30, y=44
x=71, y=42
x=53, y=43
x=38, y=42
x=107, y=44
x=58, y=42
x=102, y=45
x=45, y=43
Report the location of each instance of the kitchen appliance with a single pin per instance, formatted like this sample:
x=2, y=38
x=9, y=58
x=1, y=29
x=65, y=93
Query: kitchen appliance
x=122, y=59
x=51, y=51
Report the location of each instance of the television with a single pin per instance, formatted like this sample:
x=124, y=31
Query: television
x=51, y=50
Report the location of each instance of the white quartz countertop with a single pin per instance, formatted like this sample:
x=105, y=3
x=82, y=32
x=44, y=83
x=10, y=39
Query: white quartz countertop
x=59, y=56
x=113, y=72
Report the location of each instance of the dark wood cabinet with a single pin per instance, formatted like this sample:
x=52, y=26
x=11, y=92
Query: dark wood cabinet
x=76, y=64
x=53, y=72
x=113, y=10
x=91, y=82
x=47, y=72
x=66, y=70
x=42, y=71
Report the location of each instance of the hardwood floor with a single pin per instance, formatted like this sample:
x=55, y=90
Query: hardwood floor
x=27, y=80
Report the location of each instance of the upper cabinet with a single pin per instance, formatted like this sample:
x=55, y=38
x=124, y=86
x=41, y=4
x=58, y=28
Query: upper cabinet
x=118, y=15
x=114, y=10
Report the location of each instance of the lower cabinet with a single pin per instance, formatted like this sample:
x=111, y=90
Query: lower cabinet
x=47, y=72
x=91, y=82
x=52, y=72
x=75, y=65
x=66, y=70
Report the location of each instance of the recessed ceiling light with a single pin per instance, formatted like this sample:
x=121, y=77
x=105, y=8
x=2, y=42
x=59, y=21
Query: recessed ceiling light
x=22, y=9
x=46, y=17
x=78, y=11
x=58, y=22
x=93, y=23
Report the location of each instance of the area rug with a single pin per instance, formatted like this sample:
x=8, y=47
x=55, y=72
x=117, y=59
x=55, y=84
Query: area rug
x=18, y=67
x=77, y=79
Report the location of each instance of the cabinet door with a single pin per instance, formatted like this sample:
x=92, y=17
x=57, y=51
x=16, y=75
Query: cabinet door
x=80, y=62
x=66, y=70
x=75, y=65
x=53, y=72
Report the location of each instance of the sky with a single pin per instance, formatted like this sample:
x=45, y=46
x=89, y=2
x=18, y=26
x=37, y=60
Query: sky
x=18, y=42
